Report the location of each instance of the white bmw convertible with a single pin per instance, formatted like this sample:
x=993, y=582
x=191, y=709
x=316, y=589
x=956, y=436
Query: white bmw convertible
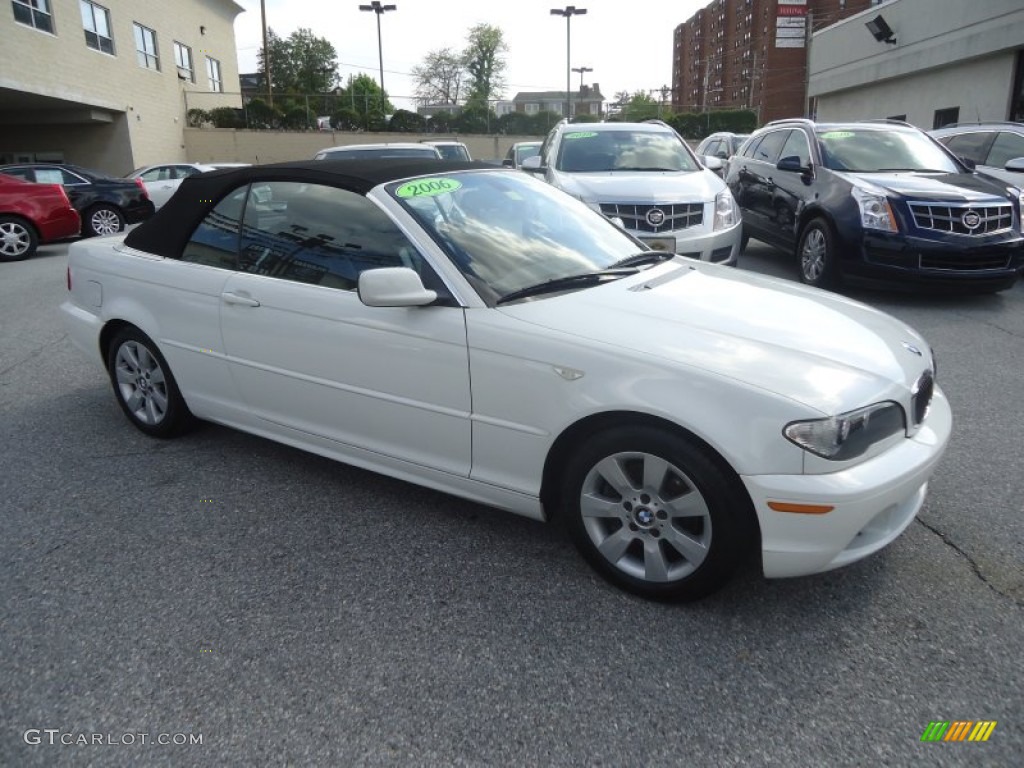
x=476, y=331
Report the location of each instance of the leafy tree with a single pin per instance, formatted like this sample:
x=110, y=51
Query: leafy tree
x=439, y=78
x=485, y=63
x=363, y=96
x=346, y=119
x=227, y=117
x=542, y=121
x=640, y=107
x=441, y=122
x=475, y=118
x=516, y=123
x=404, y=121
x=301, y=64
x=259, y=114
x=196, y=117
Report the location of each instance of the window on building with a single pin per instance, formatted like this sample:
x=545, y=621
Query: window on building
x=183, y=60
x=1017, y=95
x=946, y=116
x=35, y=13
x=145, y=47
x=96, y=23
x=213, y=75
x=532, y=108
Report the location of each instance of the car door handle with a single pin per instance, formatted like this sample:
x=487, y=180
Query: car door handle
x=242, y=301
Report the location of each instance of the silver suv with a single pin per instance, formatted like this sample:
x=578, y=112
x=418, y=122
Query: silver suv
x=996, y=149
x=644, y=177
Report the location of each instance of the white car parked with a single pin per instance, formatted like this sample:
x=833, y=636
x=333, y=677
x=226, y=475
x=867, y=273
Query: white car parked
x=480, y=332
x=162, y=181
x=644, y=177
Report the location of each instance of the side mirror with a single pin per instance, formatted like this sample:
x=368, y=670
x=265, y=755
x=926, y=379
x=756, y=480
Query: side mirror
x=792, y=163
x=532, y=164
x=393, y=287
x=712, y=163
x=1016, y=165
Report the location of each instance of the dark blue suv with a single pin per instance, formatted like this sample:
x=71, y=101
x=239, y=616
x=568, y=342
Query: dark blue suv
x=876, y=199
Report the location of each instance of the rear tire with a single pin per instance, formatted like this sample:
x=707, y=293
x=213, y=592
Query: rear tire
x=654, y=513
x=102, y=219
x=18, y=239
x=144, y=386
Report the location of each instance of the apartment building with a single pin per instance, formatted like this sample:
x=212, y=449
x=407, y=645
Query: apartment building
x=106, y=84
x=750, y=54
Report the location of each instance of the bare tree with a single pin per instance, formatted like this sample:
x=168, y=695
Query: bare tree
x=439, y=78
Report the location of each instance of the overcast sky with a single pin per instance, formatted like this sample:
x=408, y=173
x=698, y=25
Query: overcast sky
x=627, y=44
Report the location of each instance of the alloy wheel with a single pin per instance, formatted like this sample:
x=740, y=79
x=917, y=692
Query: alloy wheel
x=142, y=383
x=646, y=517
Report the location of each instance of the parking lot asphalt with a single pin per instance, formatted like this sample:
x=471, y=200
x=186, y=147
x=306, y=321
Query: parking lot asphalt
x=295, y=611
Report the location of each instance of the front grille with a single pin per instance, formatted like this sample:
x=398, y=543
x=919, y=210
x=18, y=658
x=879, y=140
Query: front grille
x=676, y=216
x=965, y=262
x=922, y=396
x=963, y=218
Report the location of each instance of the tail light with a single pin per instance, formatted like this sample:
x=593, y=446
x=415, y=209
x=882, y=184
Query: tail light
x=142, y=188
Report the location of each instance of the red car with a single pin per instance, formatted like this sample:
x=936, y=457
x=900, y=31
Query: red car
x=31, y=214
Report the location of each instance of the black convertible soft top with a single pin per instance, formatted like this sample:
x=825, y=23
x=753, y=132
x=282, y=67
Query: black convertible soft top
x=168, y=230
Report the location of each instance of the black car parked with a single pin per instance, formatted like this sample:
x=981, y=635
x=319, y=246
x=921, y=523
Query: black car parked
x=876, y=199
x=105, y=204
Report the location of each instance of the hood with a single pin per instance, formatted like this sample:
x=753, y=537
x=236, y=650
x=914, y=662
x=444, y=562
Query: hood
x=642, y=187
x=953, y=187
x=822, y=350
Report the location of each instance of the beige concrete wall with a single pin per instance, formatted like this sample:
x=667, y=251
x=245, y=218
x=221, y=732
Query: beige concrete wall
x=61, y=66
x=230, y=145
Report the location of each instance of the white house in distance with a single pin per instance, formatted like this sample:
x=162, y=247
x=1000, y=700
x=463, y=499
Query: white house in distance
x=105, y=85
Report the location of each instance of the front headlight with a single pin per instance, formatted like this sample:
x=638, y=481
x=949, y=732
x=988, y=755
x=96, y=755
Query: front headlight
x=725, y=210
x=847, y=435
x=875, y=211
x=1020, y=208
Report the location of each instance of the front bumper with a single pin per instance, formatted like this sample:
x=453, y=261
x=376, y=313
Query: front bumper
x=955, y=261
x=721, y=247
x=873, y=503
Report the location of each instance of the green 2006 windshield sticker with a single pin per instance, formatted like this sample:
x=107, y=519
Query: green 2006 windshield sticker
x=428, y=187
x=837, y=135
x=581, y=135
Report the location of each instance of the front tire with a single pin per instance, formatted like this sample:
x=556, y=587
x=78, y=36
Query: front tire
x=102, y=219
x=144, y=386
x=18, y=239
x=817, y=255
x=654, y=514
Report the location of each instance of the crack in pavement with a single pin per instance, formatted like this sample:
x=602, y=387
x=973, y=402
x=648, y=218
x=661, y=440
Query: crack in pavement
x=989, y=323
x=34, y=354
x=974, y=566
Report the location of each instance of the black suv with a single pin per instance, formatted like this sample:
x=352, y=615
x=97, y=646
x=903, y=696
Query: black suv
x=105, y=204
x=876, y=199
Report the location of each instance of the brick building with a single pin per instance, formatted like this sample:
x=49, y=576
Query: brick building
x=750, y=54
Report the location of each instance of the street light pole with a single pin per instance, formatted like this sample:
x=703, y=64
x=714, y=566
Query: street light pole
x=379, y=9
x=569, y=11
x=266, y=54
x=581, y=70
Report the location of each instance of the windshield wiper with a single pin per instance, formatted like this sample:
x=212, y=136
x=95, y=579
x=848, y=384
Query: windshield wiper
x=638, y=168
x=564, y=283
x=914, y=170
x=642, y=258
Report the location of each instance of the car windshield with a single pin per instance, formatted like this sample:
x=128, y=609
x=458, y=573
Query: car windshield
x=452, y=151
x=507, y=231
x=585, y=151
x=871, y=150
x=365, y=154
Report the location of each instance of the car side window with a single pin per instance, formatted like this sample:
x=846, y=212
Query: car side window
x=751, y=147
x=215, y=241
x=768, y=150
x=971, y=146
x=796, y=146
x=25, y=174
x=154, y=174
x=1007, y=146
x=311, y=233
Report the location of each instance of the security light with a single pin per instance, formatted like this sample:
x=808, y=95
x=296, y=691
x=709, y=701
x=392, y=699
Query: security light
x=881, y=30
